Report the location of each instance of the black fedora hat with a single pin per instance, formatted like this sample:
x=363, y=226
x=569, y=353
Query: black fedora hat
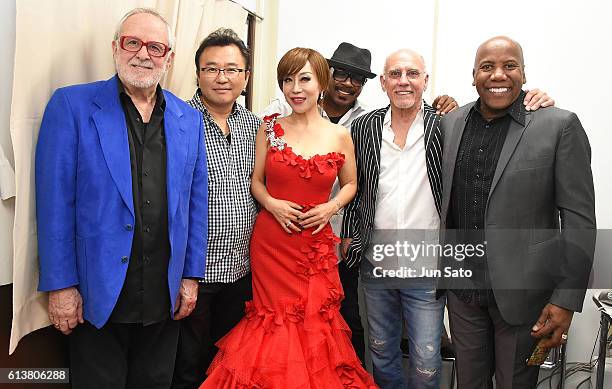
x=352, y=58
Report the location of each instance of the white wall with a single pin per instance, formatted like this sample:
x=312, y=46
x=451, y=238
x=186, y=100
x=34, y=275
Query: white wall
x=380, y=26
x=567, y=53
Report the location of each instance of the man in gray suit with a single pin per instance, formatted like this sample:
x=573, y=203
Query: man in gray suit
x=521, y=182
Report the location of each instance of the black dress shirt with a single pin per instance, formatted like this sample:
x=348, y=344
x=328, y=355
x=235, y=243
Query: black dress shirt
x=475, y=166
x=144, y=297
x=335, y=119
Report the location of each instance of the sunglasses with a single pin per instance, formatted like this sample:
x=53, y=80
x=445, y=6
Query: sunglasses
x=342, y=75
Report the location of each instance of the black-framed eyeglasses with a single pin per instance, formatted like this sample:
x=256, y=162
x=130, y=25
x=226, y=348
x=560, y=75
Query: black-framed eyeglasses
x=342, y=75
x=133, y=44
x=212, y=72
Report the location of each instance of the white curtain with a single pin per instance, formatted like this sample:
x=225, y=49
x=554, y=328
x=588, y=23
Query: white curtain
x=7, y=170
x=64, y=42
x=194, y=20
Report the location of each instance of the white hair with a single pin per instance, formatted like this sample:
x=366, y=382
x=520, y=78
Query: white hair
x=149, y=11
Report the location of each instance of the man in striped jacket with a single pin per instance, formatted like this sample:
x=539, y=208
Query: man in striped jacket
x=398, y=150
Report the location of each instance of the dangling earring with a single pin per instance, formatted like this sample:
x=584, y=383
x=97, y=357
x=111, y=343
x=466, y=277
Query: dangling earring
x=321, y=96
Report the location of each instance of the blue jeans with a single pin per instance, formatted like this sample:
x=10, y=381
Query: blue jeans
x=423, y=315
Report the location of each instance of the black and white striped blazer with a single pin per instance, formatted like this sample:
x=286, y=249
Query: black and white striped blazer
x=366, y=131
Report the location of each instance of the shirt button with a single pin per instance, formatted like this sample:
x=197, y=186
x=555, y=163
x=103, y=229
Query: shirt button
x=146, y=259
x=487, y=126
x=129, y=227
x=148, y=202
x=475, y=227
x=146, y=173
x=147, y=229
x=477, y=175
x=480, y=150
x=124, y=259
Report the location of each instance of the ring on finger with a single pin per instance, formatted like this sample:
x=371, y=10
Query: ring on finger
x=288, y=223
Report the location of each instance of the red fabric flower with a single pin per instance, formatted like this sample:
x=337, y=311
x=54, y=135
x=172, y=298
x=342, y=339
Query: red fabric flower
x=321, y=164
x=335, y=295
x=328, y=162
x=249, y=310
x=277, y=154
x=269, y=118
x=290, y=157
x=266, y=316
x=295, y=312
x=330, y=308
x=278, y=130
x=320, y=254
x=347, y=376
x=303, y=268
x=304, y=166
x=250, y=385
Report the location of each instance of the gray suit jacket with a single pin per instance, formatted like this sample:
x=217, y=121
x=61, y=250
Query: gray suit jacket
x=540, y=213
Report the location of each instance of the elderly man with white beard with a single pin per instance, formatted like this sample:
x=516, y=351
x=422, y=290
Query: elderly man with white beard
x=121, y=196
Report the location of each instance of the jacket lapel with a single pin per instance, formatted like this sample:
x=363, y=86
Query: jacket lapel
x=377, y=128
x=515, y=132
x=450, y=157
x=176, y=153
x=112, y=131
x=433, y=152
x=431, y=120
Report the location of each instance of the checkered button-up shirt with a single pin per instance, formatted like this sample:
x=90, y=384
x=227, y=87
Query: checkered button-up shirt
x=231, y=208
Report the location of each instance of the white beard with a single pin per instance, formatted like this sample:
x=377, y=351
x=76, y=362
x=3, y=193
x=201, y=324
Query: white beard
x=132, y=77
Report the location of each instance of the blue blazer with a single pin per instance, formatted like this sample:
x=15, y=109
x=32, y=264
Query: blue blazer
x=84, y=203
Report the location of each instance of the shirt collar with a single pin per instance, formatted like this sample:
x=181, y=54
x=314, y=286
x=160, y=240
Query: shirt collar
x=357, y=108
x=160, y=100
x=387, y=120
x=516, y=110
x=197, y=102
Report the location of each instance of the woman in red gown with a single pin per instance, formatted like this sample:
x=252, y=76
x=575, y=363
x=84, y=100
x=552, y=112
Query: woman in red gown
x=293, y=336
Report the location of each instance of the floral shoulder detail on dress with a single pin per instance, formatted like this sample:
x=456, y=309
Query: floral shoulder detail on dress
x=283, y=153
x=274, y=132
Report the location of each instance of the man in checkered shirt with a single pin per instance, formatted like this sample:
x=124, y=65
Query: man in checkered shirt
x=230, y=129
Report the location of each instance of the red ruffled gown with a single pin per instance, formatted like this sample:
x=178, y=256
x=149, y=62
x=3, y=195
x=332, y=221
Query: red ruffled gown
x=292, y=336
